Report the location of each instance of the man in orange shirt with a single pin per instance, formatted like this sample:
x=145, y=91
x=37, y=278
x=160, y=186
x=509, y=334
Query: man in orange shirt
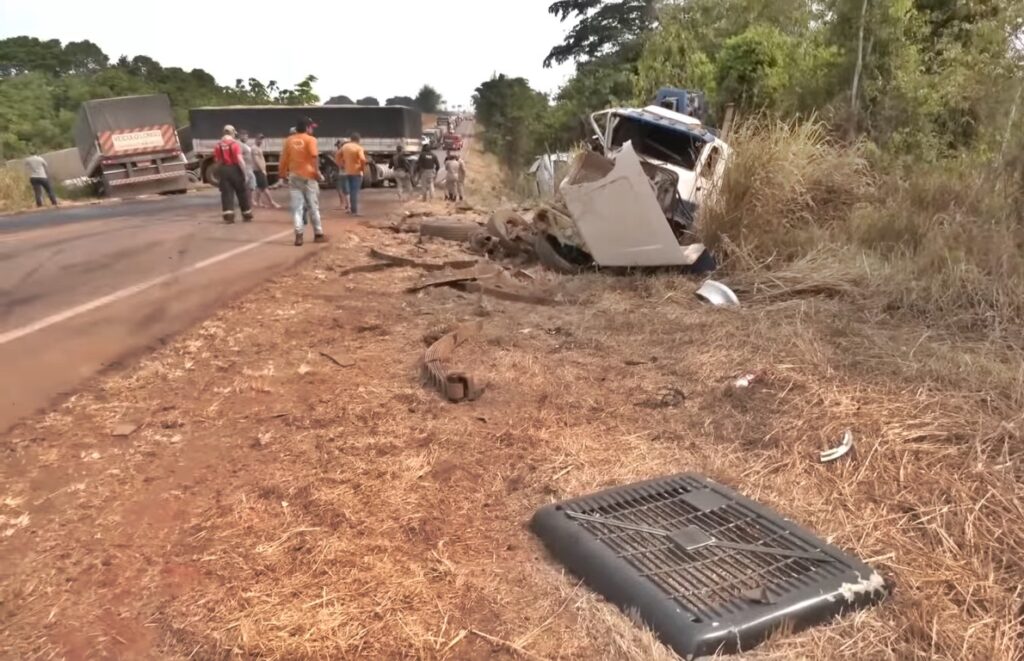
x=300, y=165
x=354, y=161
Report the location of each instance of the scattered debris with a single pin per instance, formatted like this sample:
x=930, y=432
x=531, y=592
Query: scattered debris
x=737, y=573
x=458, y=277
x=839, y=451
x=717, y=294
x=745, y=381
x=397, y=260
x=454, y=386
x=668, y=397
x=344, y=361
x=452, y=230
x=124, y=429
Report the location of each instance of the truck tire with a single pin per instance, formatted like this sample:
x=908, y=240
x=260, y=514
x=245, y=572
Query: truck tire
x=330, y=171
x=452, y=230
x=210, y=172
x=553, y=255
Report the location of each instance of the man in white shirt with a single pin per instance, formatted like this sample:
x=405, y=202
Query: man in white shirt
x=39, y=176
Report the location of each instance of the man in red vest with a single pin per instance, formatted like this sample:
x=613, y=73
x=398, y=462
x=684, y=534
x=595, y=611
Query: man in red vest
x=231, y=171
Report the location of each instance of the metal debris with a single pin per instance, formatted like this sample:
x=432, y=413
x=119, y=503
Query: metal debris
x=717, y=294
x=839, y=451
x=124, y=429
x=340, y=362
x=387, y=260
x=454, y=386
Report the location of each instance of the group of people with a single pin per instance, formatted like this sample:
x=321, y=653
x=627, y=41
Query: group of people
x=421, y=173
x=243, y=175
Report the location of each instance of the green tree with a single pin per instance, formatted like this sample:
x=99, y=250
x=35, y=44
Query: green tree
x=514, y=116
x=301, y=95
x=754, y=68
x=340, y=100
x=24, y=54
x=368, y=101
x=601, y=27
x=429, y=99
x=407, y=101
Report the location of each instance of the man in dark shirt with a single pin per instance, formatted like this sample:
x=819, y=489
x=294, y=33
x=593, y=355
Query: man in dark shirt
x=403, y=172
x=427, y=167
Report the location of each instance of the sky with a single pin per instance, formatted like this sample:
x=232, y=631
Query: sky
x=363, y=48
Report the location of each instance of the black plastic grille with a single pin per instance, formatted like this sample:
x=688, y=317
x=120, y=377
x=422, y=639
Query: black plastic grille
x=710, y=582
x=708, y=569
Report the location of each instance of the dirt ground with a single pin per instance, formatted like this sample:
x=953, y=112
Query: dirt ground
x=275, y=504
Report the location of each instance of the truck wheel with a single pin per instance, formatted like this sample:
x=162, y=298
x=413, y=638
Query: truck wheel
x=559, y=258
x=210, y=173
x=369, y=176
x=330, y=171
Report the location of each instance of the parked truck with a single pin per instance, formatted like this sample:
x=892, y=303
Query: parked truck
x=382, y=129
x=128, y=145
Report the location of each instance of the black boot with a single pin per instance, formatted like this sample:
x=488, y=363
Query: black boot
x=298, y=238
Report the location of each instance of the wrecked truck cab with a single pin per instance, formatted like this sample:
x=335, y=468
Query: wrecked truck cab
x=623, y=213
x=672, y=140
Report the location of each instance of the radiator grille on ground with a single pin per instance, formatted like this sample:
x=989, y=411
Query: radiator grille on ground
x=708, y=569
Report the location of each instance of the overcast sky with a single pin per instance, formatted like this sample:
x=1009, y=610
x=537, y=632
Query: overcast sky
x=376, y=48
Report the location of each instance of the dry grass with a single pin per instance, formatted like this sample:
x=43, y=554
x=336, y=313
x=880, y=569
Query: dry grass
x=15, y=192
x=942, y=244
x=274, y=505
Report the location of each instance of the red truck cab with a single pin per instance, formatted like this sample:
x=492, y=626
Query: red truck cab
x=451, y=142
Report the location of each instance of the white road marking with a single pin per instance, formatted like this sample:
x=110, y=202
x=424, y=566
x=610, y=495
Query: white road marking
x=120, y=294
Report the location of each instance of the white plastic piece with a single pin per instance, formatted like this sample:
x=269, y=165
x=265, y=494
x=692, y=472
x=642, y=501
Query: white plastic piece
x=835, y=453
x=718, y=294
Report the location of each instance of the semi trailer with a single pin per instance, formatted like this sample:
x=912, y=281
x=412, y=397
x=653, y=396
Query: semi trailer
x=382, y=130
x=129, y=146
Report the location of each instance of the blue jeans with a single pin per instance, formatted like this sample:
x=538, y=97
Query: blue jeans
x=353, y=182
x=305, y=196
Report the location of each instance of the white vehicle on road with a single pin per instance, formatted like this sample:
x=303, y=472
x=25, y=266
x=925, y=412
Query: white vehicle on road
x=669, y=139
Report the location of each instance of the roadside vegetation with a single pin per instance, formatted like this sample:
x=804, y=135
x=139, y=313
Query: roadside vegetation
x=881, y=139
x=872, y=222
x=15, y=192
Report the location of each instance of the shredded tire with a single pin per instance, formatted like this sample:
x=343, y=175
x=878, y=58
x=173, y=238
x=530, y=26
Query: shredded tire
x=451, y=230
x=547, y=249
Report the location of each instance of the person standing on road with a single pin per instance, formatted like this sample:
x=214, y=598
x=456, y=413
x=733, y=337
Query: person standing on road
x=300, y=162
x=250, y=165
x=340, y=182
x=232, y=174
x=403, y=173
x=455, y=176
x=263, y=198
x=427, y=167
x=354, y=161
x=39, y=176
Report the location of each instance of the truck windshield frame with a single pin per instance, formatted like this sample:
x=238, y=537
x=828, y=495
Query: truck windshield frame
x=657, y=140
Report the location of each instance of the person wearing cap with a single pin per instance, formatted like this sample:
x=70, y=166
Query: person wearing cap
x=403, y=172
x=300, y=165
x=425, y=172
x=339, y=178
x=263, y=198
x=231, y=172
x=354, y=161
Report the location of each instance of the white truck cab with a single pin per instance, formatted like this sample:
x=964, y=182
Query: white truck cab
x=669, y=139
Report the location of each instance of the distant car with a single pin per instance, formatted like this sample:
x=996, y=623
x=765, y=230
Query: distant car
x=452, y=142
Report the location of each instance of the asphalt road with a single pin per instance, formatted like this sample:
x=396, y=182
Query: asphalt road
x=86, y=288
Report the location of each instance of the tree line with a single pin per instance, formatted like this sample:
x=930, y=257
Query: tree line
x=43, y=83
x=925, y=78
